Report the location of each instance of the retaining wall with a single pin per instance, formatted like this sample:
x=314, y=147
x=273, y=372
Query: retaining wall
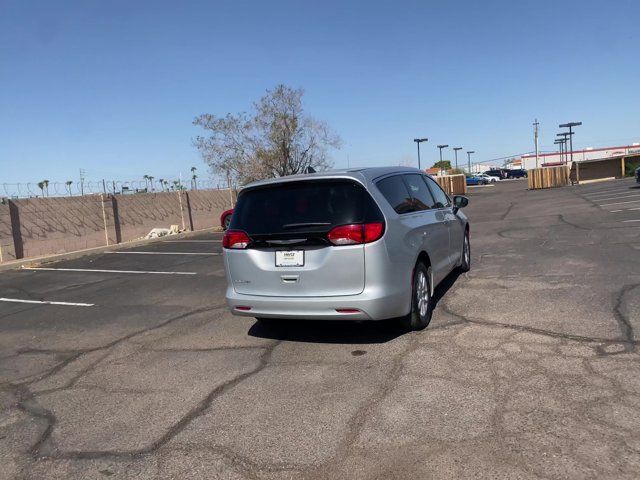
x=41, y=226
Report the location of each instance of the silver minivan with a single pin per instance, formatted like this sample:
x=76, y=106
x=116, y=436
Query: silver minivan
x=361, y=244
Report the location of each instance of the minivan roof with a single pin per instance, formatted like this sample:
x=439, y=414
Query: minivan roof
x=362, y=175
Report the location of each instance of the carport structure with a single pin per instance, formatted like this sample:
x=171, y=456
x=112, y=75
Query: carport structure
x=601, y=168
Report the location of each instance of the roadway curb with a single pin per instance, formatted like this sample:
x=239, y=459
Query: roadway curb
x=18, y=264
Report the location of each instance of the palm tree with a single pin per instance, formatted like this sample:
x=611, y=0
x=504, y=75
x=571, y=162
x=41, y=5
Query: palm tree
x=161, y=182
x=166, y=184
x=41, y=187
x=46, y=186
x=68, y=184
x=151, y=182
x=146, y=181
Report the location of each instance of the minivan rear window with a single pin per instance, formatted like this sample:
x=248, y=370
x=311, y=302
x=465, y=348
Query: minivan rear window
x=288, y=209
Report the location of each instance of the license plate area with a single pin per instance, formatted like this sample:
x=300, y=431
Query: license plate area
x=289, y=258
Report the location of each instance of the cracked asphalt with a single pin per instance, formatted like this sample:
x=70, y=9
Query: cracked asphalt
x=529, y=368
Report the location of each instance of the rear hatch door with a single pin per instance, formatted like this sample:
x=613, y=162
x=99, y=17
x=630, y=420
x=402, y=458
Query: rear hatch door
x=295, y=217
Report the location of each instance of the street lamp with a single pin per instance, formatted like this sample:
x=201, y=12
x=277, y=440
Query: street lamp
x=570, y=125
x=441, y=147
x=469, y=159
x=455, y=151
x=419, y=141
x=564, y=136
x=560, y=142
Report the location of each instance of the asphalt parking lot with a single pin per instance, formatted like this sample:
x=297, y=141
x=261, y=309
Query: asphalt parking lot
x=529, y=368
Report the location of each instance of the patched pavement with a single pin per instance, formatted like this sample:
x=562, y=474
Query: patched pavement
x=529, y=368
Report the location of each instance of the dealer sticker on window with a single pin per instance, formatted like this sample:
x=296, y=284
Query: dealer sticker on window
x=290, y=258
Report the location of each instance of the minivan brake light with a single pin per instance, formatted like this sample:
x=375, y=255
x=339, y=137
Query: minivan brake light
x=235, y=239
x=356, y=233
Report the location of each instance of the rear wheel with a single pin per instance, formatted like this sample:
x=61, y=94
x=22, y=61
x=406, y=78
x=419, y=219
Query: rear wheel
x=465, y=263
x=421, y=301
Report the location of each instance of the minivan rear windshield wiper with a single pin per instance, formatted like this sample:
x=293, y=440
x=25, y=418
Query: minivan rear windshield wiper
x=308, y=224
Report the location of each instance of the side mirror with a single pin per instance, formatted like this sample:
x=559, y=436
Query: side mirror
x=459, y=201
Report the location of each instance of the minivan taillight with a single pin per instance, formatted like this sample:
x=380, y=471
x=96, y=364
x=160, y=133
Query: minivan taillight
x=356, y=233
x=235, y=239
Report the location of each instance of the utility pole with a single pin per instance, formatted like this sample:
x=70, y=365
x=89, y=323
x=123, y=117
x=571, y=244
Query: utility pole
x=455, y=151
x=469, y=159
x=535, y=138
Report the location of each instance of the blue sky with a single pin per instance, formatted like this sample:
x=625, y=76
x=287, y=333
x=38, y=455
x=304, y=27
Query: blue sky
x=112, y=86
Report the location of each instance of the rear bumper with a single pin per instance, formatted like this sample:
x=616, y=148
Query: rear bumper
x=370, y=305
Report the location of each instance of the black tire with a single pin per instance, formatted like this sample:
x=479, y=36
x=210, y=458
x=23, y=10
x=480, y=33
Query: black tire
x=420, y=314
x=465, y=261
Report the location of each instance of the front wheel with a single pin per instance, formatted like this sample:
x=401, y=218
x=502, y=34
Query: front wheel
x=465, y=263
x=421, y=301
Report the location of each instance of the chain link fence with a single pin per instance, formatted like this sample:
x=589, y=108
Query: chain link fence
x=118, y=187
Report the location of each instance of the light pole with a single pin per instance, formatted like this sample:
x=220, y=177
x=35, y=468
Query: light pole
x=418, y=142
x=441, y=147
x=469, y=159
x=560, y=142
x=455, y=151
x=570, y=125
x=564, y=136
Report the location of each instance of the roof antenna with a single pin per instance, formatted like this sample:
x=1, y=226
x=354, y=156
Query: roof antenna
x=309, y=170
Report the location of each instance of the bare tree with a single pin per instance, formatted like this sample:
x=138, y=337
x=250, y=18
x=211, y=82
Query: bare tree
x=276, y=139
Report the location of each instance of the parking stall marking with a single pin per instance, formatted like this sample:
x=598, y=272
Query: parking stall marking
x=95, y=270
x=165, y=253
x=627, y=221
x=618, y=203
x=614, y=197
x=46, y=302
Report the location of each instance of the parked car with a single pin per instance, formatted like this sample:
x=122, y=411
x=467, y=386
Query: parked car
x=638, y=174
x=517, y=173
x=366, y=244
x=497, y=172
x=225, y=219
x=489, y=178
x=476, y=180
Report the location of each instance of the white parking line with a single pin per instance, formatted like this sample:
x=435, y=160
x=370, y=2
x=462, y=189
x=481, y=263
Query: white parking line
x=166, y=253
x=45, y=302
x=624, y=210
x=618, y=188
x=627, y=221
x=618, y=203
x=105, y=271
x=608, y=191
x=614, y=198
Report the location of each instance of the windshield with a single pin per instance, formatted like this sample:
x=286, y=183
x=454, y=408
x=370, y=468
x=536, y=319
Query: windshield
x=310, y=206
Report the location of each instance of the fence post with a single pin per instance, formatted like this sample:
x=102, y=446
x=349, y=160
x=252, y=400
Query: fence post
x=104, y=220
x=181, y=210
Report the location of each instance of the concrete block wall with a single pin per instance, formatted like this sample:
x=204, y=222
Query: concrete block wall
x=139, y=213
x=7, y=250
x=42, y=226
x=58, y=225
x=206, y=207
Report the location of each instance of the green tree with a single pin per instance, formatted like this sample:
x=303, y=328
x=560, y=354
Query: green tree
x=442, y=164
x=277, y=138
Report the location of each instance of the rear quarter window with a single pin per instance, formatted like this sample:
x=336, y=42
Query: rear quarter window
x=395, y=191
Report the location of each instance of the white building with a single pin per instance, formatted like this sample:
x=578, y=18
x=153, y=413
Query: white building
x=552, y=159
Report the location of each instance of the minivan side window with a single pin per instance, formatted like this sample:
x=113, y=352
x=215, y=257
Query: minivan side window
x=441, y=198
x=422, y=198
x=395, y=191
